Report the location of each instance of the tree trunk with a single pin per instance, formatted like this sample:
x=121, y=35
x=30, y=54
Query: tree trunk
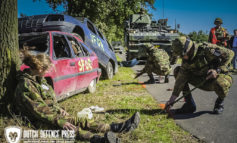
x=9, y=55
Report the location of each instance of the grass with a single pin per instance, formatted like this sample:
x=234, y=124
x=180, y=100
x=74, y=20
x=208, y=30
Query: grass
x=121, y=97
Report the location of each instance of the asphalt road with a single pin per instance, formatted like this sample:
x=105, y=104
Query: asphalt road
x=202, y=124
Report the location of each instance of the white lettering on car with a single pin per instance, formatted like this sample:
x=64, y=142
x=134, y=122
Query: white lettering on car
x=97, y=41
x=85, y=65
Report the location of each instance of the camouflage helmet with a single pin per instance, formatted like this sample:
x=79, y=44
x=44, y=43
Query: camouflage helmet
x=181, y=46
x=148, y=45
x=218, y=20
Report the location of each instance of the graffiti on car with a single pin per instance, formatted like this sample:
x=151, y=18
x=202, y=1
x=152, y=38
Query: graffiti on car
x=95, y=40
x=85, y=65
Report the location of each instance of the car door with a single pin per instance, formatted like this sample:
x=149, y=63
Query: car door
x=103, y=41
x=64, y=65
x=83, y=63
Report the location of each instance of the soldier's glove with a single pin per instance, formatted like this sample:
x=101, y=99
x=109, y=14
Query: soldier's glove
x=169, y=103
x=211, y=74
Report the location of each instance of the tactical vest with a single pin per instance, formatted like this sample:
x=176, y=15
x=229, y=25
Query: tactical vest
x=218, y=35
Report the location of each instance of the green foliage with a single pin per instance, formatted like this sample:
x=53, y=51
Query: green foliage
x=108, y=16
x=198, y=36
x=182, y=34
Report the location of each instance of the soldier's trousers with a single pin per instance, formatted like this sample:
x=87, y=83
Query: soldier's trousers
x=220, y=85
x=87, y=128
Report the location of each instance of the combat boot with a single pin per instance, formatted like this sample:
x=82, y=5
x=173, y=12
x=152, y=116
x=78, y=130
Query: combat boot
x=126, y=126
x=167, y=79
x=109, y=137
x=219, y=106
x=151, y=80
x=188, y=107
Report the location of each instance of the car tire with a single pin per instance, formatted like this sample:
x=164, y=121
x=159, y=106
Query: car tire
x=109, y=71
x=92, y=86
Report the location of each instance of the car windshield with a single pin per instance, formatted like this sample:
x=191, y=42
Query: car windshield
x=35, y=43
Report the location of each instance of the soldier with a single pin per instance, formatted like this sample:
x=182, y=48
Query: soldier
x=35, y=98
x=201, y=63
x=218, y=35
x=157, y=62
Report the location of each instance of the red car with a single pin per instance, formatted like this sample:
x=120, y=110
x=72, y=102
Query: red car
x=75, y=65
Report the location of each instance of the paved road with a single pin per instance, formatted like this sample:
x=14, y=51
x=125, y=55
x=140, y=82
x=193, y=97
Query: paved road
x=202, y=124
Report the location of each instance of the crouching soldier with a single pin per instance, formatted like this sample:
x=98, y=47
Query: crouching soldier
x=157, y=62
x=204, y=65
x=35, y=99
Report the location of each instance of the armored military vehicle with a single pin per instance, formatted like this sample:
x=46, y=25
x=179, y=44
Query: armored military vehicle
x=140, y=30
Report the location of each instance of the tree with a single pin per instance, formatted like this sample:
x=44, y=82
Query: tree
x=199, y=36
x=8, y=50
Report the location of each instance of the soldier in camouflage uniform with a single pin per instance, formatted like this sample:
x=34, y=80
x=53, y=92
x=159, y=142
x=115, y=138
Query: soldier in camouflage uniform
x=201, y=63
x=35, y=98
x=218, y=35
x=157, y=62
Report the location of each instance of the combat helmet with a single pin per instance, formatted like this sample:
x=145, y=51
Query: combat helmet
x=149, y=47
x=218, y=20
x=142, y=10
x=182, y=45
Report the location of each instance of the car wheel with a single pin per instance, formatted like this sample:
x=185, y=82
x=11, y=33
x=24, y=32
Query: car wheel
x=109, y=71
x=92, y=86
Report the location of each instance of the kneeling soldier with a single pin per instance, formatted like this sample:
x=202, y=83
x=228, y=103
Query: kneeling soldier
x=157, y=62
x=201, y=62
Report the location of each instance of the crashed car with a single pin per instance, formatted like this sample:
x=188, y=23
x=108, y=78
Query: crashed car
x=75, y=66
x=83, y=27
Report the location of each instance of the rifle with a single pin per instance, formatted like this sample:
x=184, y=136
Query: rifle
x=139, y=74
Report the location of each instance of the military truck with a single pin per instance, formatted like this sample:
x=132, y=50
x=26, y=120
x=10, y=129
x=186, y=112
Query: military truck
x=140, y=30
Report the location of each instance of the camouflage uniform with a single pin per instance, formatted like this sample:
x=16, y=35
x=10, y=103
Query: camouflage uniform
x=36, y=100
x=157, y=62
x=206, y=56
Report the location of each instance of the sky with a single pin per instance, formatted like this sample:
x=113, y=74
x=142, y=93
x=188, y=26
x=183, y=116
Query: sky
x=192, y=15
x=195, y=15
